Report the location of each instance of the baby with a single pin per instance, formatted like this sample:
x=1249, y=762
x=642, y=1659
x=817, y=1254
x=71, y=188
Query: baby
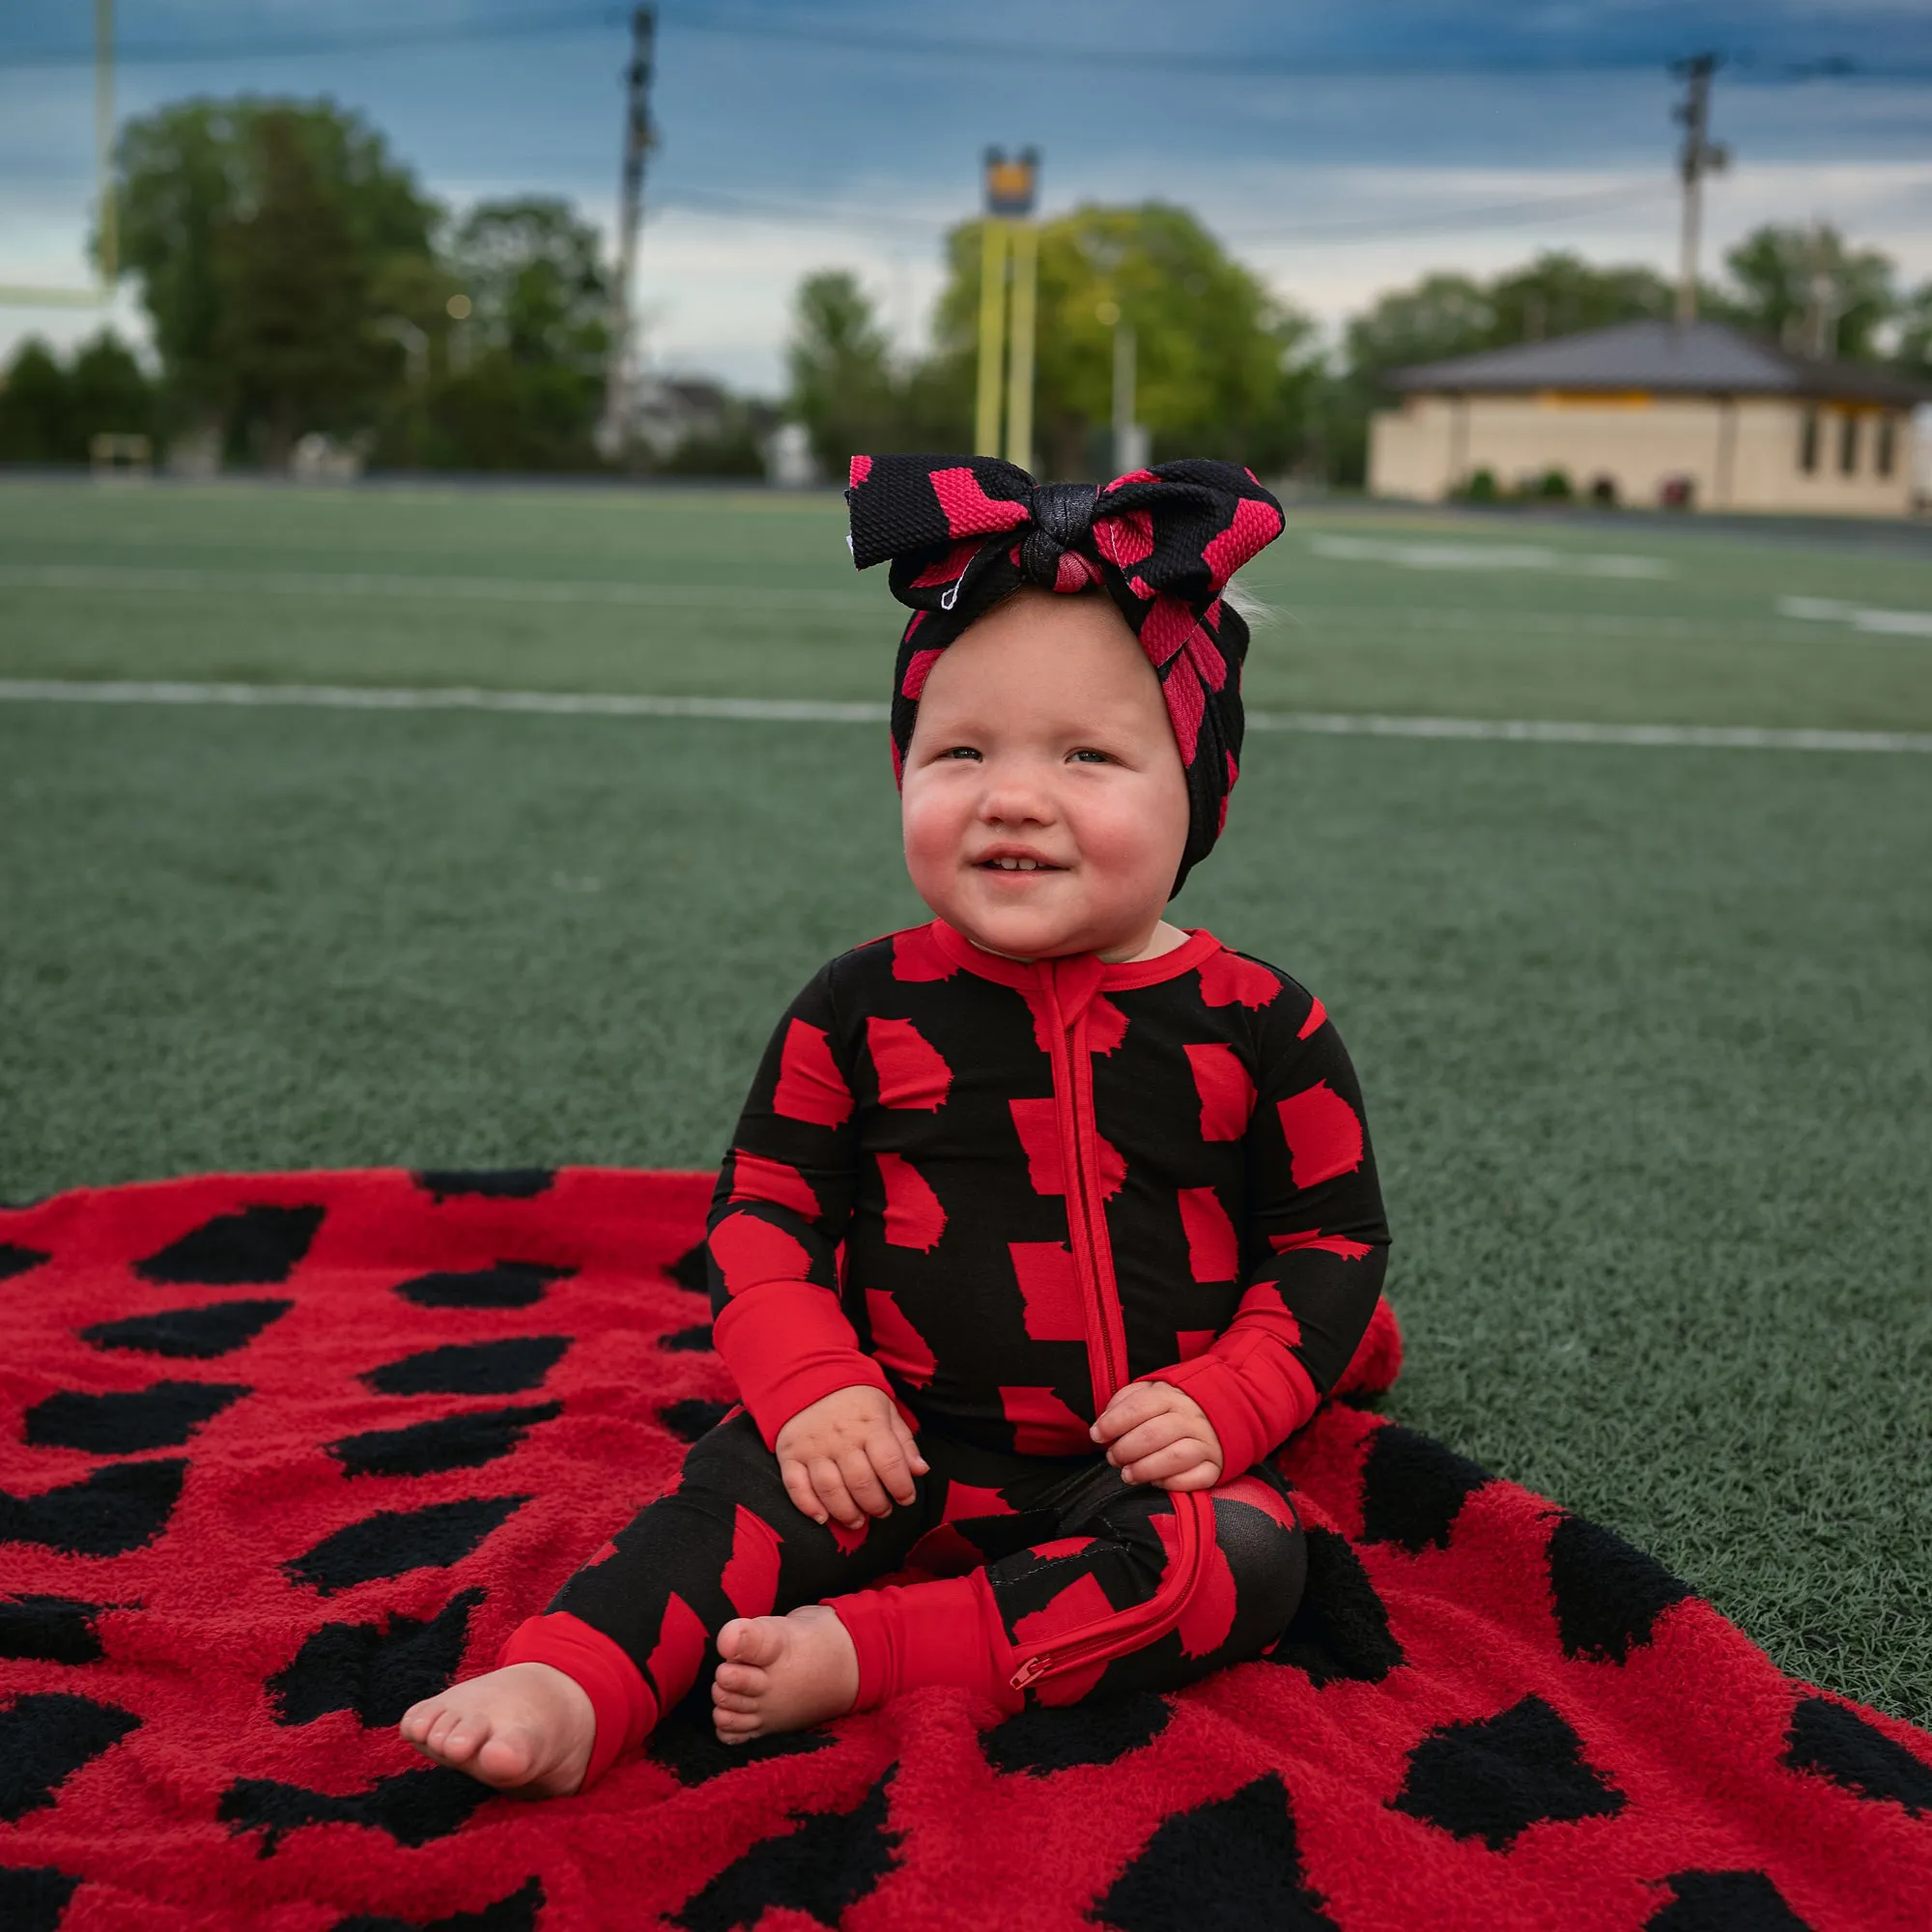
x=1045, y=1223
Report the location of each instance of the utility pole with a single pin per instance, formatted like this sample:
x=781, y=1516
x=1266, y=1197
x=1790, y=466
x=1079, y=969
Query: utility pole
x=1698, y=157
x=639, y=140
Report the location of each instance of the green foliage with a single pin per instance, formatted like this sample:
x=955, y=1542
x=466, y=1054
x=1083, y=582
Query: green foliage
x=519, y=385
x=48, y=412
x=263, y=233
x=1808, y=288
x=1223, y=367
x=844, y=388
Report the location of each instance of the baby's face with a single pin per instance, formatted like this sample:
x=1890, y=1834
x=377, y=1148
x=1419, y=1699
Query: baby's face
x=1044, y=804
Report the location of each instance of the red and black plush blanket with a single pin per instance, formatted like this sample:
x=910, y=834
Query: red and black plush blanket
x=279, y=1455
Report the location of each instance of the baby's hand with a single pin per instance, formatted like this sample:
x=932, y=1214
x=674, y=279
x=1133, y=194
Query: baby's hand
x=839, y=1455
x=1158, y=1435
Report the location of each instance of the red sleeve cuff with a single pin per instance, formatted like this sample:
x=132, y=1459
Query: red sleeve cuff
x=1251, y=1407
x=624, y=1707
x=787, y=1344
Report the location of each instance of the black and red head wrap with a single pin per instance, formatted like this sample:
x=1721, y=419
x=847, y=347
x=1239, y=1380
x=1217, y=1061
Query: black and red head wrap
x=963, y=532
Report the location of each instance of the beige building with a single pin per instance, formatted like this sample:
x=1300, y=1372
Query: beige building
x=1653, y=413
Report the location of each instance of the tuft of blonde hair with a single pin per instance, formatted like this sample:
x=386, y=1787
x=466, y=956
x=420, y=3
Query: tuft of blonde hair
x=1245, y=603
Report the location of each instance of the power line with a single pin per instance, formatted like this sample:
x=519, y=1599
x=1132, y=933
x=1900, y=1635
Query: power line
x=1234, y=62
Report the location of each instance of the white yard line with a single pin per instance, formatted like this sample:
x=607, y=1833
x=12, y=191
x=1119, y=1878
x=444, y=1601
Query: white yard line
x=1863, y=619
x=385, y=584
x=817, y=711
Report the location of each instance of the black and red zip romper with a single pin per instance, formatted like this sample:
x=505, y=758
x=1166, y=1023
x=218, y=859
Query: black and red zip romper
x=999, y=1191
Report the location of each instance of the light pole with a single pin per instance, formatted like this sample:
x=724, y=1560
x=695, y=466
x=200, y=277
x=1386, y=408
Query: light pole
x=1130, y=439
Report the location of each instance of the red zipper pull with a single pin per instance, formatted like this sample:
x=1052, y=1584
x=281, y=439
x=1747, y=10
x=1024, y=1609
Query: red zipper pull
x=1034, y=1667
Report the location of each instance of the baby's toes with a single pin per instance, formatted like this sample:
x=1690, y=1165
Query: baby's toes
x=744, y=1678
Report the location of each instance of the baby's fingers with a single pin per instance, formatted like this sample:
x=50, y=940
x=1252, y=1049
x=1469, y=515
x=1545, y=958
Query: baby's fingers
x=908, y=1447
x=1156, y=1433
x=889, y=1465
x=832, y=1494
x=1164, y=1465
x=798, y=1487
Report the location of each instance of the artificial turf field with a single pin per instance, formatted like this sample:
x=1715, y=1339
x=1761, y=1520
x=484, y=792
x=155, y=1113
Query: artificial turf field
x=1646, y=1032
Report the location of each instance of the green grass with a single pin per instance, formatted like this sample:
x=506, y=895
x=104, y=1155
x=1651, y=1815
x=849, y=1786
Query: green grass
x=1644, y=1032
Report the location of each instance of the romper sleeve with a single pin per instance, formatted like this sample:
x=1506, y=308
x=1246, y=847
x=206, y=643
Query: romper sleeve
x=777, y=1217
x=1315, y=1248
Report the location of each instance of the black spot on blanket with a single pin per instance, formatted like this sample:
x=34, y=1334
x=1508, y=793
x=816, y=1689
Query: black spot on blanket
x=687, y=1744
x=692, y=1270
x=694, y=1338
x=255, y=1244
x=377, y=1670
x=1608, y=1593
x=1724, y=1901
x=195, y=1334
x=1048, y=1738
x=50, y=1630
x=414, y=1806
x=495, y=1184
x=116, y=1509
x=162, y=1416
x=506, y=1285
x=694, y=1416
x=392, y=1541
x=33, y=1897
x=1229, y=1866
x=515, y=1913
x=822, y=1870
x=1835, y=1742
x=46, y=1737
x=17, y=1261
x=1493, y=1777
x=445, y=1443
x=473, y=1368
x=1340, y=1631
x=1413, y=1489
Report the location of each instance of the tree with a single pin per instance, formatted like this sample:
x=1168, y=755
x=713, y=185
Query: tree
x=1913, y=352
x=1809, y=290
x=261, y=232
x=48, y=414
x=1224, y=368
x=523, y=382
x=843, y=387
x=33, y=407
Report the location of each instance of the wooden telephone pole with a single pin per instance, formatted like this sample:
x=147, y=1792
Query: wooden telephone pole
x=1698, y=157
x=613, y=432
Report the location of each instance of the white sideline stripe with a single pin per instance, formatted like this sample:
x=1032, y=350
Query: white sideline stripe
x=441, y=697
x=378, y=584
x=819, y=711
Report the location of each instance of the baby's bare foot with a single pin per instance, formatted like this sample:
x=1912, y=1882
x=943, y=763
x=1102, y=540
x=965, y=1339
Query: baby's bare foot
x=526, y=1727
x=783, y=1674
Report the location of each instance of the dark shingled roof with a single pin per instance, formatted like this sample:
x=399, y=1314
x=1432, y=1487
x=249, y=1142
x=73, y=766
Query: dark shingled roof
x=1698, y=357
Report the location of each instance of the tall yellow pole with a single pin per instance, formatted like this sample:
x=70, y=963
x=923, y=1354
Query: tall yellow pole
x=1019, y=376
x=992, y=337
x=103, y=140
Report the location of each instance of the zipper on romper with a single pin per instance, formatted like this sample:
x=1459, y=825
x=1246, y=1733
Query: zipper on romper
x=1124, y=1631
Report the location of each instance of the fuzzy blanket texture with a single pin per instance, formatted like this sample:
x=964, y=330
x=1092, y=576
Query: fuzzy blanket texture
x=281, y=1454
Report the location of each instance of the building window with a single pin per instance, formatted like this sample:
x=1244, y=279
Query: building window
x=1888, y=444
x=1848, y=444
x=1807, y=442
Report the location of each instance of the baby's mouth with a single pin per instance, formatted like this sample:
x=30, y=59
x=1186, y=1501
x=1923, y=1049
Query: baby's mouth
x=1018, y=865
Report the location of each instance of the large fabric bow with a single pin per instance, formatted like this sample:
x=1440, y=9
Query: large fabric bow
x=963, y=532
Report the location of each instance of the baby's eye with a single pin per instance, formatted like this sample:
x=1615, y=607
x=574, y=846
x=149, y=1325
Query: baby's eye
x=959, y=751
x=1088, y=756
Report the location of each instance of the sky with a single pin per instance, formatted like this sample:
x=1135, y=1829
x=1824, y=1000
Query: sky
x=1341, y=152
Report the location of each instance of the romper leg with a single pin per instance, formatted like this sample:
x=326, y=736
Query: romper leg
x=639, y=1622
x=1118, y=1550
x=972, y=1631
